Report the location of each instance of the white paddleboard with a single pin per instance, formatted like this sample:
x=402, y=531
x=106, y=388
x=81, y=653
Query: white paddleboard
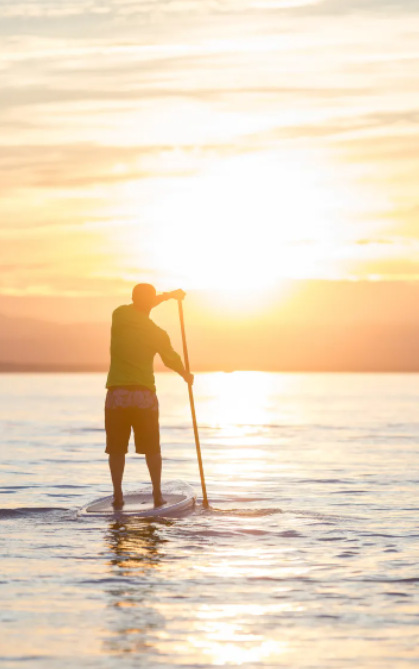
x=180, y=498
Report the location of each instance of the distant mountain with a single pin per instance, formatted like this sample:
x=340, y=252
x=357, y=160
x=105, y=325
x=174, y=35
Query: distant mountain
x=314, y=326
x=33, y=344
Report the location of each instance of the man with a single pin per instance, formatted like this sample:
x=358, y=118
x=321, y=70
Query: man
x=131, y=400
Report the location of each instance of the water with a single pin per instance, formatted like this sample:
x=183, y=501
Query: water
x=307, y=558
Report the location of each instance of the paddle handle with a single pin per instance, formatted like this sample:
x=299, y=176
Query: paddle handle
x=192, y=403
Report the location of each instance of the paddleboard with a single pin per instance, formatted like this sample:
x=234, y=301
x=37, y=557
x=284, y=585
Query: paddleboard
x=180, y=498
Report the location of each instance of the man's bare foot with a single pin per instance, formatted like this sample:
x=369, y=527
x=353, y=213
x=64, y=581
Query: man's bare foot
x=118, y=502
x=158, y=500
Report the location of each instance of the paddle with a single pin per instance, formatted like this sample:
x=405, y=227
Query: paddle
x=192, y=403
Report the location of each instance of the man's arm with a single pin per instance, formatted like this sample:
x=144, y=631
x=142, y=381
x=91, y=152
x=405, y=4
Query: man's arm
x=171, y=359
x=173, y=295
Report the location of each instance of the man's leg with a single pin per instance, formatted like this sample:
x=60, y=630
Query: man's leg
x=154, y=464
x=118, y=431
x=117, y=466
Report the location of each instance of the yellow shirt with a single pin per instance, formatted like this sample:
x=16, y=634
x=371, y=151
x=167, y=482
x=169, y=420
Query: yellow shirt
x=135, y=340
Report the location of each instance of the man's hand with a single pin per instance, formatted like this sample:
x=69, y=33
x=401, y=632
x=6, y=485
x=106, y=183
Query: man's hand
x=189, y=378
x=177, y=294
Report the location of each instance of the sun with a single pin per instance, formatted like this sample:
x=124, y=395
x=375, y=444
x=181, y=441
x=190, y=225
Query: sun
x=246, y=222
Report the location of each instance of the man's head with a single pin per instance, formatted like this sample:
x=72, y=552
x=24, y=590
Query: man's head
x=144, y=297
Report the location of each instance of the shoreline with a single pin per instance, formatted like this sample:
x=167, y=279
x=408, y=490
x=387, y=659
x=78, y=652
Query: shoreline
x=29, y=368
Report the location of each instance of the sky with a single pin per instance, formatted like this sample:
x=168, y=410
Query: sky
x=208, y=144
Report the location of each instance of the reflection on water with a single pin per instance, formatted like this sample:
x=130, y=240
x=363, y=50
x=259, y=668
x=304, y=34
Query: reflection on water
x=240, y=405
x=134, y=548
x=134, y=545
x=142, y=611
x=307, y=557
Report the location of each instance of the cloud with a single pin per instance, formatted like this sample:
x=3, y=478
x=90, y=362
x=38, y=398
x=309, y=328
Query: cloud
x=280, y=4
x=67, y=8
x=370, y=242
x=401, y=269
x=19, y=267
x=376, y=7
x=84, y=165
x=405, y=222
x=130, y=8
x=14, y=97
x=337, y=127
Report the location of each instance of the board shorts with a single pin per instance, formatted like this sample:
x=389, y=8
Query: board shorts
x=132, y=408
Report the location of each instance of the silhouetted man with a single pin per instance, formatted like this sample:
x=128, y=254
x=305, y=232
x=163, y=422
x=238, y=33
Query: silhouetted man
x=131, y=400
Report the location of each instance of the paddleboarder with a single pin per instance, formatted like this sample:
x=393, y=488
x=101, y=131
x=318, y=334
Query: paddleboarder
x=131, y=400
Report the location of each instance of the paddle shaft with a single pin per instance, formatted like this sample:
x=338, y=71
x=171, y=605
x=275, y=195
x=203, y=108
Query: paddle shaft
x=192, y=403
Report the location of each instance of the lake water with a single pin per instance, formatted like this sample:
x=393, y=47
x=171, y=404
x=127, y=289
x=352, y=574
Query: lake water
x=308, y=557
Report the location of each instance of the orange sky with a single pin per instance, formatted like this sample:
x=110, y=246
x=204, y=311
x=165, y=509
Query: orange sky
x=206, y=144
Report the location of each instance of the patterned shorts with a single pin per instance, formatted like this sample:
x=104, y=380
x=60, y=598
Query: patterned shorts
x=132, y=408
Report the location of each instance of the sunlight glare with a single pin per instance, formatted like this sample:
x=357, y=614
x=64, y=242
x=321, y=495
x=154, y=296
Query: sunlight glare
x=231, y=403
x=247, y=222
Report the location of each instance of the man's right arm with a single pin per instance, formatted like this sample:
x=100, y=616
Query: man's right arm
x=171, y=359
